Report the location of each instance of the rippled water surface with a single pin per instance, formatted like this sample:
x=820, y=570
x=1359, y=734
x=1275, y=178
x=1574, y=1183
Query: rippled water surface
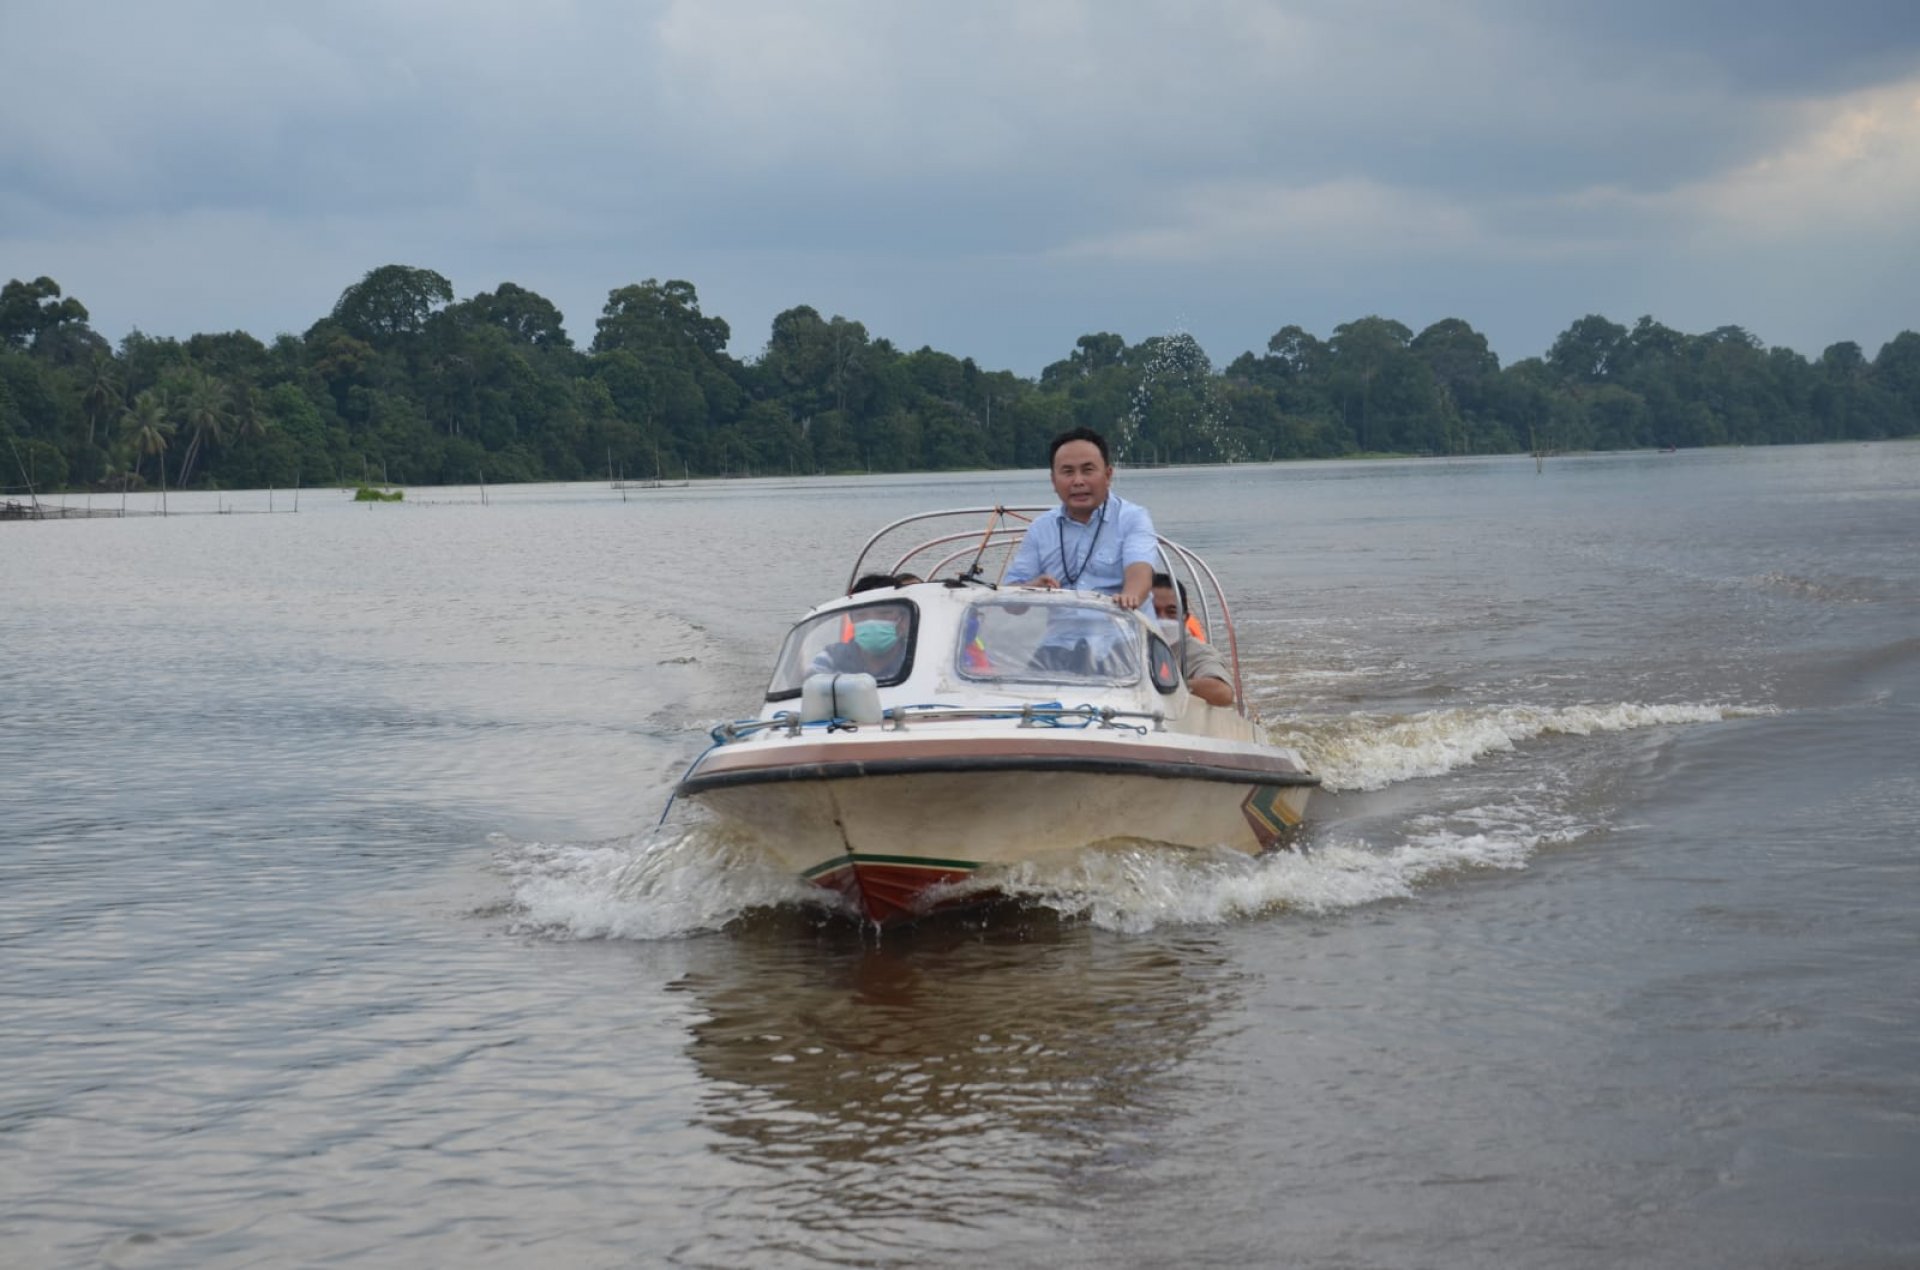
x=335, y=928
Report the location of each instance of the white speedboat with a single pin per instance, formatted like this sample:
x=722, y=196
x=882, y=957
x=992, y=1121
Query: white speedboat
x=916, y=737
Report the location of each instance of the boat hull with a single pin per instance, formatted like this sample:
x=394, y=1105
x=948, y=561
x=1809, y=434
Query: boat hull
x=899, y=844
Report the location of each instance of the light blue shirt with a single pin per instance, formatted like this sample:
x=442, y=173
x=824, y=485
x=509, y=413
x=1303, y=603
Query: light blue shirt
x=1087, y=557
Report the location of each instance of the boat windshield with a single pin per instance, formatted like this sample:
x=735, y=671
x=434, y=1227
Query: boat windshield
x=1004, y=639
x=875, y=639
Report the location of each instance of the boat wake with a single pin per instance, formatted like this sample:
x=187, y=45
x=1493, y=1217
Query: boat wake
x=1372, y=751
x=699, y=877
x=678, y=884
x=1133, y=888
x=665, y=884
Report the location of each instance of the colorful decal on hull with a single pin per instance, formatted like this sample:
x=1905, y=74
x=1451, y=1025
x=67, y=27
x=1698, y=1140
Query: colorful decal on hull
x=1269, y=816
x=888, y=889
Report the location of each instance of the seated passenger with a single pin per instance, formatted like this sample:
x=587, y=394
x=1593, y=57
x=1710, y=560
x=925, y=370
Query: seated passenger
x=874, y=643
x=1162, y=583
x=1204, y=669
x=866, y=582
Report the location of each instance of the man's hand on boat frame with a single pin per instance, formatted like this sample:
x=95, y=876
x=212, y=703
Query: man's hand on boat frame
x=1047, y=582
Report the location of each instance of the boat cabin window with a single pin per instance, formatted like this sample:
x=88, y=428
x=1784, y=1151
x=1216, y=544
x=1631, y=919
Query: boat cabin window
x=1049, y=643
x=875, y=639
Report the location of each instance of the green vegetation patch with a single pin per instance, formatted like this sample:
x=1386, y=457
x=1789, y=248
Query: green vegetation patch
x=406, y=381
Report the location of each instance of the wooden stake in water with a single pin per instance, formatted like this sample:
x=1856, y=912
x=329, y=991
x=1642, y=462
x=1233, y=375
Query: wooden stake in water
x=27, y=476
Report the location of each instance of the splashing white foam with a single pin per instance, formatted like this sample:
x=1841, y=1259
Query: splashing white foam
x=683, y=882
x=1135, y=888
x=668, y=883
x=1363, y=752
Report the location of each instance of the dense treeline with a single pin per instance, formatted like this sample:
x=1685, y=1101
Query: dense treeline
x=403, y=383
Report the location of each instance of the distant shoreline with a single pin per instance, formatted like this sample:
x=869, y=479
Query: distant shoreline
x=403, y=384
x=56, y=504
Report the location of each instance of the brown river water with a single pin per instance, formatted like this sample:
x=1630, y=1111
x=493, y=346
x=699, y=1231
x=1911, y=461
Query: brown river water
x=335, y=928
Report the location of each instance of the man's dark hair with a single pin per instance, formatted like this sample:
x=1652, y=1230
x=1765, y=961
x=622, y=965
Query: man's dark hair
x=873, y=582
x=1161, y=579
x=1079, y=434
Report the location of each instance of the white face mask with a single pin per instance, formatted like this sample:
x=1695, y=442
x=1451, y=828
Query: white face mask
x=1170, y=629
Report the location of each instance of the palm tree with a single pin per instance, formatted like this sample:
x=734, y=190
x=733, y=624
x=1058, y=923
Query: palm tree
x=100, y=398
x=205, y=408
x=250, y=422
x=146, y=425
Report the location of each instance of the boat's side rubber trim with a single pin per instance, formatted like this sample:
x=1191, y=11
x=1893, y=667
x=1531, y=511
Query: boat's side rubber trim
x=967, y=764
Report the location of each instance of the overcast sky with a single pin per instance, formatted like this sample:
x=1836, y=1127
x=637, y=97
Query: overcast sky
x=994, y=179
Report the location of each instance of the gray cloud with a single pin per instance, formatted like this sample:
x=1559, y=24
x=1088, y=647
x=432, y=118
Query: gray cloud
x=994, y=180
x=1760, y=47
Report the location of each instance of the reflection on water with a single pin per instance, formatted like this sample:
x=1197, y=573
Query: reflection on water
x=1006, y=1056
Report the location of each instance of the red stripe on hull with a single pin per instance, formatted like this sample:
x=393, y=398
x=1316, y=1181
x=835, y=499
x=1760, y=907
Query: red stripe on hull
x=889, y=894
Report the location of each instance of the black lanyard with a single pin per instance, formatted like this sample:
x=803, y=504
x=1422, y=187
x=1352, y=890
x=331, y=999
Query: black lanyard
x=1069, y=577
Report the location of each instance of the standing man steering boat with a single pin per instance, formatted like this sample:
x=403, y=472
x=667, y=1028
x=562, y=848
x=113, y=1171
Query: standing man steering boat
x=1094, y=540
